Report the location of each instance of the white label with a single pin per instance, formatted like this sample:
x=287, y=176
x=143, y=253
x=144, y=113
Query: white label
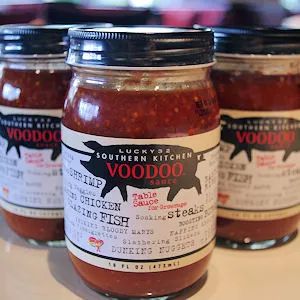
x=30, y=162
x=259, y=175
x=144, y=205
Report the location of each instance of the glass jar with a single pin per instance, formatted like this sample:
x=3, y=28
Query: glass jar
x=257, y=80
x=33, y=85
x=140, y=154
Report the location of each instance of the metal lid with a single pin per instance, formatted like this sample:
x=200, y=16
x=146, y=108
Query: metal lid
x=140, y=46
x=30, y=40
x=277, y=41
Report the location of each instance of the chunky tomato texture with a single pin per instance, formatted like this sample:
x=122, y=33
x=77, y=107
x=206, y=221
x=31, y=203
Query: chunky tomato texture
x=36, y=89
x=257, y=92
x=141, y=115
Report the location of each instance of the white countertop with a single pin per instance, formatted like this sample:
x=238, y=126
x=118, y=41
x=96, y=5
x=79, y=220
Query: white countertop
x=29, y=273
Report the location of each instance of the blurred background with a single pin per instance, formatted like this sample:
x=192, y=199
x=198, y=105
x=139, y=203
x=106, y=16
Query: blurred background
x=165, y=12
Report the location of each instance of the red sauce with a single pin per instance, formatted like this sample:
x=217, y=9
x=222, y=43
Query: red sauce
x=143, y=114
x=123, y=114
x=135, y=284
x=257, y=92
x=42, y=89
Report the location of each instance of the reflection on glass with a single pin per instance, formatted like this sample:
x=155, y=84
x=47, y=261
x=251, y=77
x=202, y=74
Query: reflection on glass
x=88, y=111
x=10, y=93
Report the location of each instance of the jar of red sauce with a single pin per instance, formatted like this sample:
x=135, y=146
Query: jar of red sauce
x=33, y=84
x=257, y=78
x=140, y=153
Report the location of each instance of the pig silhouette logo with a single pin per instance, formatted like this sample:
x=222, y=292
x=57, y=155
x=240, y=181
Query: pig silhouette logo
x=32, y=132
x=150, y=167
x=263, y=134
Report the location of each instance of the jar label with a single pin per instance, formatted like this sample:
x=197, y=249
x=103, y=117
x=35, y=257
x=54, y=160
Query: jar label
x=140, y=205
x=30, y=162
x=259, y=173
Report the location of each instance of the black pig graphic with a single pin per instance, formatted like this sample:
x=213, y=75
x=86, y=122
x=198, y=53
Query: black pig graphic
x=183, y=169
x=32, y=132
x=264, y=134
